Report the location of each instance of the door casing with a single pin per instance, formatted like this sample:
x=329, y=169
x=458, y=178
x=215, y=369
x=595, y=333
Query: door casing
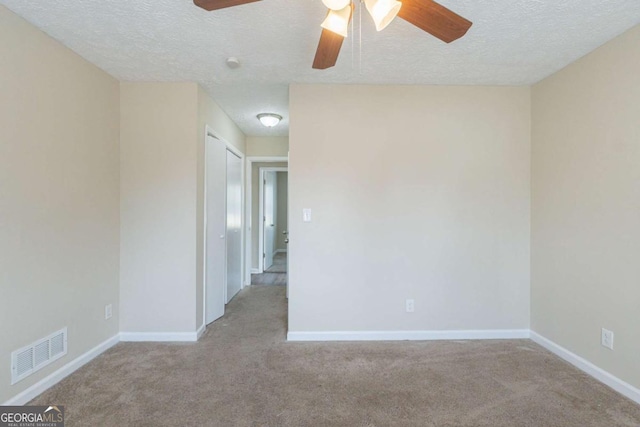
x=210, y=133
x=261, y=213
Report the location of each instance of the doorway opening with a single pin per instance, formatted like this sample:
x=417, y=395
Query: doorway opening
x=267, y=213
x=273, y=229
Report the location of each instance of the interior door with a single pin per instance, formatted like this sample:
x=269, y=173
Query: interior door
x=234, y=225
x=269, y=217
x=288, y=224
x=215, y=223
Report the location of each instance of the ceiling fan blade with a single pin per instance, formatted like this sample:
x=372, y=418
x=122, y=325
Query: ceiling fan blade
x=220, y=4
x=435, y=19
x=328, y=50
x=330, y=45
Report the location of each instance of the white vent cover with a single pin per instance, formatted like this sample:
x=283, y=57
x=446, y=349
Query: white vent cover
x=36, y=356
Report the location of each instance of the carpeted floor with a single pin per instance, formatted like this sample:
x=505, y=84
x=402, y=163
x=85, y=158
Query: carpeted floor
x=279, y=263
x=244, y=373
x=277, y=279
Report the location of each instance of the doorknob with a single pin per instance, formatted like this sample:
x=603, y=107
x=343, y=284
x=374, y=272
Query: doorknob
x=286, y=240
x=285, y=232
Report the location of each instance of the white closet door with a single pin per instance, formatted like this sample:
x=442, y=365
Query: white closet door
x=216, y=212
x=234, y=225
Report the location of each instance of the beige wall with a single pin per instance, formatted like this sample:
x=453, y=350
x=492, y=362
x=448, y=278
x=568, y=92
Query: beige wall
x=158, y=206
x=163, y=137
x=209, y=114
x=282, y=210
x=255, y=207
x=417, y=192
x=59, y=206
x=586, y=206
x=267, y=146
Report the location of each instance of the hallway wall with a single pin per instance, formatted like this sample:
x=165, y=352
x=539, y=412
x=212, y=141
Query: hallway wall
x=269, y=146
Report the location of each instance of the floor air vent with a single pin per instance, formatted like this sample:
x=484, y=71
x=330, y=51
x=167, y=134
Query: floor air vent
x=36, y=356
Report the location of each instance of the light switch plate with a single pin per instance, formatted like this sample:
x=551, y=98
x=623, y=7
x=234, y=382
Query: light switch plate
x=410, y=306
x=306, y=215
x=607, y=338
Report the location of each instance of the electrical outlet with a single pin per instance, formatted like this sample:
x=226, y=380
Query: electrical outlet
x=607, y=338
x=410, y=306
x=108, y=311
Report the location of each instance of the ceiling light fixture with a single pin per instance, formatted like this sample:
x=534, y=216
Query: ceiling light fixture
x=382, y=11
x=269, y=119
x=337, y=21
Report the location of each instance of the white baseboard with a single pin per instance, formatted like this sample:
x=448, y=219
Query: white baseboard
x=255, y=271
x=200, y=331
x=498, y=334
x=57, y=376
x=159, y=336
x=600, y=374
x=281, y=251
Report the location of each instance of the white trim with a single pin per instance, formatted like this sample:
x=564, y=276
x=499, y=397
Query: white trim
x=58, y=375
x=496, y=334
x=260, y=220
x=247, y=220
x=281, y=251
x=600, y=374
x=261, y=212
x=267, y=159
x=248, y=203
x=159, y=336
x=200, y=331
x=235, y=150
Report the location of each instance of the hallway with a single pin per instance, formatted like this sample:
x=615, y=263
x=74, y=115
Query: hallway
x=279, y=263
x=274, y=275
x=242, y=372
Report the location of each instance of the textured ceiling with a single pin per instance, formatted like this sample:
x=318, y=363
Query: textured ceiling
x=511, y=43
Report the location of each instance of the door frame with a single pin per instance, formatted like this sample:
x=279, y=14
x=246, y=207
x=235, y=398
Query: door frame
x=210, y=132
x=261, y=211
x=249, y=208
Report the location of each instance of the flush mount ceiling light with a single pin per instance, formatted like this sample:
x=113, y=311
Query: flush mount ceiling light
x=428, y=15
x=269, y=119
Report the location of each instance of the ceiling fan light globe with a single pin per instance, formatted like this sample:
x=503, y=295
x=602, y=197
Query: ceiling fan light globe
x=382, y=11
x=337, y=21
x=336, y=4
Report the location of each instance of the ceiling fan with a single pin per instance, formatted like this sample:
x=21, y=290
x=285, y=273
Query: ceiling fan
x=427, y=15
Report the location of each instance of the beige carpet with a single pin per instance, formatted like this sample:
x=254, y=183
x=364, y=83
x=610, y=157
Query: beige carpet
x=243, y=373
x=279, y=264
